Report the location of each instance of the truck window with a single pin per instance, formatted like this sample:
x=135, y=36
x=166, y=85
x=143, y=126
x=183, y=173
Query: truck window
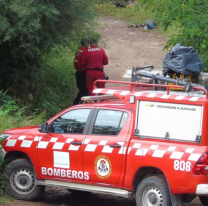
x=169, y=121
x=72, y=122
x=109, y=122
x=123, y=121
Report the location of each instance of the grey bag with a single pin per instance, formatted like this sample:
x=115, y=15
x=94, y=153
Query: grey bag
x=182, y=60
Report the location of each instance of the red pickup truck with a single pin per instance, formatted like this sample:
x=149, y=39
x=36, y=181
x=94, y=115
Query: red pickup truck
x=151, y=144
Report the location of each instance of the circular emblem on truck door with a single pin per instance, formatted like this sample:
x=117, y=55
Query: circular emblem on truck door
x=103, y=167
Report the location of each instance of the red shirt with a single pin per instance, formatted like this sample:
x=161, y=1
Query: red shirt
x=94, y=58
x=78, y=59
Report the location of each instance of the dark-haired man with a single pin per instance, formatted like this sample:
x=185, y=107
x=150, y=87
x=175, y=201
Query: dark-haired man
x=80, y=72
x=94, y=60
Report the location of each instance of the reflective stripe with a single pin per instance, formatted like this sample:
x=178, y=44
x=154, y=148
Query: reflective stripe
x=136, y=149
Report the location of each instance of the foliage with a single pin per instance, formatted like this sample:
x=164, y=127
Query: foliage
x=7, y=104
x=58, y=83
x=1, y=158
x=191, y=17
x=4, y=196
x=12, y=116
x=133, y=15
x=29, y=30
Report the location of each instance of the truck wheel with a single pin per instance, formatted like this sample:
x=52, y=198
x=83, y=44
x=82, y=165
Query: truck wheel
x=153, y=191
x=20, y=180
x=204, y=200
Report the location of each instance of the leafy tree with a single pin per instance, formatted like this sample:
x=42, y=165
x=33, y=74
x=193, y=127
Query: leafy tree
x=192, y=20
x=29, y=29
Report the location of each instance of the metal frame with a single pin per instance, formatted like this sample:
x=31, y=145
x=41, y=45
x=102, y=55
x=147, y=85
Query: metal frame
x=95, y=98
x=131, y=84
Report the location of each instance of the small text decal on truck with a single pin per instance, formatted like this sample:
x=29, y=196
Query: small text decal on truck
x=65, y=173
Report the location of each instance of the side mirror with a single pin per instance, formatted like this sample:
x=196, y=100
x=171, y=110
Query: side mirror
x=43, y=127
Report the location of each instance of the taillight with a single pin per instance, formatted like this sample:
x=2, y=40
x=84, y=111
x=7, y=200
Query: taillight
x=201, y=167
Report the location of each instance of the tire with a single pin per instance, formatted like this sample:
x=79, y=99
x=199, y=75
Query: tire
x=153, y=191
x=20, y=180
x=204, y=200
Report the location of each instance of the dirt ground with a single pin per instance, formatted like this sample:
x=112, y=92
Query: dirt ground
x=129, y=47
x=126, y=48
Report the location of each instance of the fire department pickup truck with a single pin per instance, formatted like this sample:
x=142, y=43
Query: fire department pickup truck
x=126, y=141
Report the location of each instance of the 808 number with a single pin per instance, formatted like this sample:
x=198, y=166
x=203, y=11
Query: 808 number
x=182, y=165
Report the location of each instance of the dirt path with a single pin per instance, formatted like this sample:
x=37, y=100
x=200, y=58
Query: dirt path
x=129, y=47
x=126, y=48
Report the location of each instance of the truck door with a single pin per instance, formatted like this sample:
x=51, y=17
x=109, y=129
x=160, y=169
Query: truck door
x=104, y=146
x=60, y=150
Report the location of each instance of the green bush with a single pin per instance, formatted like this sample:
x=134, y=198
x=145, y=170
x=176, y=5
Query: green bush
x=191, y=20
x=58, y=83
x=29, y=31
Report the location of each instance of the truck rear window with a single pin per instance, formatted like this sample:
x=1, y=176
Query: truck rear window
x=169, y=121
x=109, y=122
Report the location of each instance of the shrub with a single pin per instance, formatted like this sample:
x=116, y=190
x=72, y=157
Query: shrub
x=191, y=20
x=29, y=31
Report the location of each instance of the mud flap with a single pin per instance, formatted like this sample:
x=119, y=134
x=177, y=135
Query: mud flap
x=176, y=200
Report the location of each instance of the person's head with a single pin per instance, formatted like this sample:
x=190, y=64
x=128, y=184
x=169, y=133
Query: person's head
x=84, y=43
x=93, y=42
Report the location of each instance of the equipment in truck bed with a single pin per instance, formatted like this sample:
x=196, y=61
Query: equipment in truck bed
x=138, y=74
x=183, y=60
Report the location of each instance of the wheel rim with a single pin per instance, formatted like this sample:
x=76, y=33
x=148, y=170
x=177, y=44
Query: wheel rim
x=23, y=181
x=152, y=196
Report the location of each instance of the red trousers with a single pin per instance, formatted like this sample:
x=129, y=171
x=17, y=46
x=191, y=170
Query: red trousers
x=92, y=76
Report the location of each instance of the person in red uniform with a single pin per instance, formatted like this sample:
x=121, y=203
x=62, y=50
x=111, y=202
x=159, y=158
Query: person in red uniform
x=94, y=60
x=80, y=72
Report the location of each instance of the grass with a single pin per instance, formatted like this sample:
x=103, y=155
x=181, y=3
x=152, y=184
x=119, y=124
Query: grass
x=19, y=120
x=133, y=15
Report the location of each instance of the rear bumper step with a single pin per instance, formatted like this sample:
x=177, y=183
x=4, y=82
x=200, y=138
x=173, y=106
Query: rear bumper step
x=85, y=187
x=202, y=189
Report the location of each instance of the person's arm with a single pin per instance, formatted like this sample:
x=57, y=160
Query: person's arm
x=105, y=58
x=84, y=60
x=76, y=60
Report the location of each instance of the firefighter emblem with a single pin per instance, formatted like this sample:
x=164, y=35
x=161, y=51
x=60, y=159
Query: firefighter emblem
x=103, y=167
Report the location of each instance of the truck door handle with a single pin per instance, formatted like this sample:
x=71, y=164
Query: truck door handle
x=76, y=143
x=115, y=145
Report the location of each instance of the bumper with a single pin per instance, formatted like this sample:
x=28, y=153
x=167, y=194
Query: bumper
x=2, y=152
x=202, y=189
